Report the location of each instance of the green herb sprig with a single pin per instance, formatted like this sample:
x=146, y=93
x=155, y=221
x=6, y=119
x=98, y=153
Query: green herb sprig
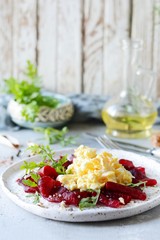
x=47, y=155
x=36, y=197
x=139, y=184
x=44, y=151
x=53, y=136
x=31, y=183
x=89, y=202
x=29, y=166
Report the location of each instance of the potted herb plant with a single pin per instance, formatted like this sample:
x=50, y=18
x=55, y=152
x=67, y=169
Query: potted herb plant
x=33, y=107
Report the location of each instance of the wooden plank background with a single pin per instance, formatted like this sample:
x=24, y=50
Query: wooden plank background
x=75, y=43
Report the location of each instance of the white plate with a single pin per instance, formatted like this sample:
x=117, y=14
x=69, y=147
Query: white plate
x=72, y=214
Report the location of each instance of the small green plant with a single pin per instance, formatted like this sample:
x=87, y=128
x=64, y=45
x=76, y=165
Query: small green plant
x=28, y=93
x=157, y=9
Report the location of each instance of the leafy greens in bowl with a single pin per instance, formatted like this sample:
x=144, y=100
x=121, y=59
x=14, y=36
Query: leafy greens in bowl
x=32, y=107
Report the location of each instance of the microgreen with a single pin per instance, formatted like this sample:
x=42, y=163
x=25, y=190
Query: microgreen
x=60, y=169
x=35, y=176
x=47, y=155
x=29, y=183
x=29, y=166
x=36, y=197
x=44, y=151
x=53, y=136
x=139, y=184
x=89, y=201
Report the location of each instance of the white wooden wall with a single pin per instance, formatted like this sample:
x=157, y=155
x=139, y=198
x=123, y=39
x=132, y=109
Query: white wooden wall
x=75, y=42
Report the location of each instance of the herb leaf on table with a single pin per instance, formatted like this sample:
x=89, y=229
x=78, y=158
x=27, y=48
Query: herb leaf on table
x=53, y=136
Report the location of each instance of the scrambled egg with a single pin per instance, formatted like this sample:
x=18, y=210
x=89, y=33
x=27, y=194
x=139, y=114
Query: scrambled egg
x=90, y=170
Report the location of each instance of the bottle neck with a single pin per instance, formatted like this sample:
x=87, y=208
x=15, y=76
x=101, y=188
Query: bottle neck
x=131, y=60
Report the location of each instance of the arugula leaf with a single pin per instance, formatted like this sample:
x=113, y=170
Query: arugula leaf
x=35, y=176
x=89, y=201
x=60, y=169
x=53, y=135
x=141, y=183
x=45, y=151
x=48, y=159
x=29, y=166
x=63, y=159
x=29, y=183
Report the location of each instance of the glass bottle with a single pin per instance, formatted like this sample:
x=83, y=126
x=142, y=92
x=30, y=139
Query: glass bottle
x=131, y=114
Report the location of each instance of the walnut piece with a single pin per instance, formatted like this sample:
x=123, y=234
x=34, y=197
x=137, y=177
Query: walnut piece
x=155, y=139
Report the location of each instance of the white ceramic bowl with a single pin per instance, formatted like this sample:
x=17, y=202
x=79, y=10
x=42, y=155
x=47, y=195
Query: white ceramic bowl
x=47, y=117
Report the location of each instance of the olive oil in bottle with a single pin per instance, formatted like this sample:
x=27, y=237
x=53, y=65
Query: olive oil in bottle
x=128, y=126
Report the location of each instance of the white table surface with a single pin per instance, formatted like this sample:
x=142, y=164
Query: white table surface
x=16, y=223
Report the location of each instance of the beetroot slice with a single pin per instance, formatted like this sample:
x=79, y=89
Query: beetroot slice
x=117, y=195
x=69, y=197
x=57, y=196
x=133, y=192
x=114, y=203
x=26, y=188
x=139, y=176
x=47, y=186
x=150, y=182
x=138, y=173
x=66, y=164
x=48, y=171
x=127, y=164
x=141, y=169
